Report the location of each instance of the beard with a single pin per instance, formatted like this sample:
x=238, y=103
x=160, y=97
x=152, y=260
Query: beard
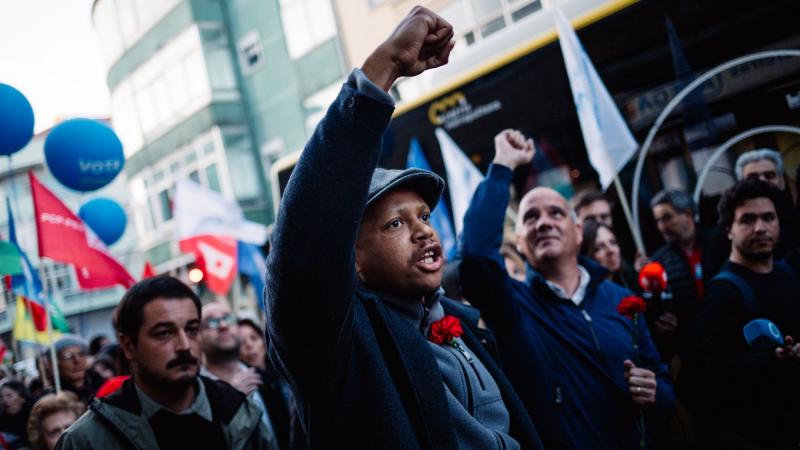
x=756, y=255
x=219, y=354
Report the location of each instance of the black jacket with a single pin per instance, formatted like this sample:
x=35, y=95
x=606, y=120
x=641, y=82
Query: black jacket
x=363, y=376
x=751, y=392
x=686, y=306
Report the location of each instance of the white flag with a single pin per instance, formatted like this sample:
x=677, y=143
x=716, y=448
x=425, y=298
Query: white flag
x=200, y=211
x=608, y=140
x=462, y=177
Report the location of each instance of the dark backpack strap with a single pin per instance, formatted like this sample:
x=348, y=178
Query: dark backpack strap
x=741, y=285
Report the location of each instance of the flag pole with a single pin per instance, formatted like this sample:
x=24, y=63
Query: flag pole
x=623, y=202
x=53, y=356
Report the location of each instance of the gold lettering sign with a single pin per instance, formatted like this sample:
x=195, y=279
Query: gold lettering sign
x=439, y=107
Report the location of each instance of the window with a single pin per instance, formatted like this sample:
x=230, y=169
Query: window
x=306, y=24
x=220, y=70
x=526, y=10
x=165, y=203
x=171, y=85
x=121, y=23
x=485, y=8
x=202, y=161
x=478, y=19
x=241, y=162
x=126, y=120
x=212, y=178
x=107, y=26
x=58, y=277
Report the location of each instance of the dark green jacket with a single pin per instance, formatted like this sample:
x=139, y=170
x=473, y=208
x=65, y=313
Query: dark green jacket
x=115, y=422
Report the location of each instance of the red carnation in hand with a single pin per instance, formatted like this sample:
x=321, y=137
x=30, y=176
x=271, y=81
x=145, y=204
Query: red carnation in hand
x=445, y=330
x=631, y=305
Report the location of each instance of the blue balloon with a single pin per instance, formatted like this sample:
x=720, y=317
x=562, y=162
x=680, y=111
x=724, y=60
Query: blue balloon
x=105, y=217
x=16, y=120
x=83, y=154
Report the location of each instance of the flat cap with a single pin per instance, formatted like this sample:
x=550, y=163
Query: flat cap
x=427, y=184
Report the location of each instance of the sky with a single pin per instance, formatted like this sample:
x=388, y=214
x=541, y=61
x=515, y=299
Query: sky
x=50, y=52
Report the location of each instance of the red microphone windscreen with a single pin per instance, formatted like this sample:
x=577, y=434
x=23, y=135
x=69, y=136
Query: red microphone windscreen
x=653, y=278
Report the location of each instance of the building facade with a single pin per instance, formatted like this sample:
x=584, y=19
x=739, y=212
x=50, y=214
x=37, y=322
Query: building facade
x=214, y=91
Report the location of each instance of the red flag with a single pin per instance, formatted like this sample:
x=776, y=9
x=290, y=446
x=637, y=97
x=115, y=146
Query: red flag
x=38, y=313
x=216, y=257
x=149, y=271
x=63, y=237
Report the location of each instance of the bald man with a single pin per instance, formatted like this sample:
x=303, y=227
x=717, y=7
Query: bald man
x=220, y=342
x=583, y=371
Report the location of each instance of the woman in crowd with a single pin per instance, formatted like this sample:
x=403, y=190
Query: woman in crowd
x=50, y=416
x=252, y=351
x=276, y=394
x=16, y=409
x=600, y=244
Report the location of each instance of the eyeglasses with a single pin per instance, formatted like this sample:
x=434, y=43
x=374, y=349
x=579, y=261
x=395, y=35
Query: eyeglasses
x=216, y=322
x=72, y=355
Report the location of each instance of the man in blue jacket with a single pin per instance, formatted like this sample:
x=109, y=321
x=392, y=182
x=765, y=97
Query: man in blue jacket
x=356, y=320
x=584, y=371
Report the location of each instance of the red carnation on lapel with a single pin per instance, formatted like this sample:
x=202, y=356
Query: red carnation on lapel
x=445, y=330
x=630, y=305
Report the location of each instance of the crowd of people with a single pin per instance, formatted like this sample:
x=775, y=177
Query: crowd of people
x=534, y=338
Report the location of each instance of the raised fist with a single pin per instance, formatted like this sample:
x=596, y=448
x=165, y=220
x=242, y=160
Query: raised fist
x=512, y=150
x=422, y=41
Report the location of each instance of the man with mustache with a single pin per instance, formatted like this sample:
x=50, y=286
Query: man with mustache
x=753, y=394
x=356, y=320
x=584, y=371
x=165, y=404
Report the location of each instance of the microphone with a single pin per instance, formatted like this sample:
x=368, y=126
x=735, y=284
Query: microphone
x=653, y=280
x=761, y=334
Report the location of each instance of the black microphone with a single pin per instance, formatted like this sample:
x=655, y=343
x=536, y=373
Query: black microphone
x=761, y=334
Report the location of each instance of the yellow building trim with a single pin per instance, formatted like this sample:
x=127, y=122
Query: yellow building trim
x=583, y=20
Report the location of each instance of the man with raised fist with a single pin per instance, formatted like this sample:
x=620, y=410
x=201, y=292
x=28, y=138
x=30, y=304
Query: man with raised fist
x=585, y=372
x=376, y=356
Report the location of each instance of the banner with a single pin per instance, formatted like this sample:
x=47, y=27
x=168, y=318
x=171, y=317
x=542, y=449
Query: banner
x=63, y=237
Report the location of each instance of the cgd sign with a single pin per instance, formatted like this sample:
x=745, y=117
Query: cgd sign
x=83, y=154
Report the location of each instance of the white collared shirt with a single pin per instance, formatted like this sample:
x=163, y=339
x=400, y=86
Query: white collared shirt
x=577, y=296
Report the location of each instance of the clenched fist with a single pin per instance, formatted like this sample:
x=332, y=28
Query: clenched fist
x=512, y=150
x=422, y=41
